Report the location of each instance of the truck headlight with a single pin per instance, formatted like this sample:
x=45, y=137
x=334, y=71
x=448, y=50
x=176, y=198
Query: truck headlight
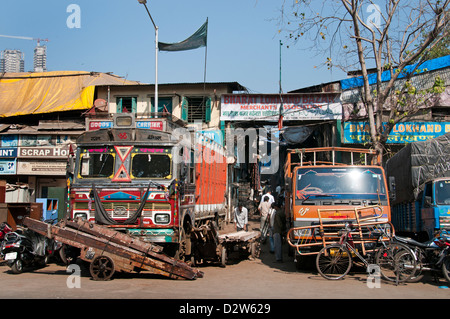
x=83, y=216
x=162, y=218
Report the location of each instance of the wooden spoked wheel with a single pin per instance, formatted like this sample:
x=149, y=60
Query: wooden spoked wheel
x=102, y=268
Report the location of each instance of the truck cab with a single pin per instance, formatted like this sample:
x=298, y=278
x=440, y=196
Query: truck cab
x=434, y=206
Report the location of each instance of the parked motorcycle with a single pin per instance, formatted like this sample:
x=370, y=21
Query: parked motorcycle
x=24, y=248
x=432, y=256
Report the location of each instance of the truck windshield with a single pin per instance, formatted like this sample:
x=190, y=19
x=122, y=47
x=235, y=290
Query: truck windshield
x=443, y=192
x=340, y=183
x=96, y=162
x=151, y=163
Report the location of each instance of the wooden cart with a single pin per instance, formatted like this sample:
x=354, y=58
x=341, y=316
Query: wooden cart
x=109, y=251
x=241, y=240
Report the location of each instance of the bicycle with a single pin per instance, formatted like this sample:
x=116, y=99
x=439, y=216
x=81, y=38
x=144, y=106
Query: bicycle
x=396, y=261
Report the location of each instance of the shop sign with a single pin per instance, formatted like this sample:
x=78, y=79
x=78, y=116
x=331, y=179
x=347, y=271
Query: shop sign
x=8, y=152
x=46, y=152
x=402, y=133
x=266, y=107
x=41, y=167
x=7, y=166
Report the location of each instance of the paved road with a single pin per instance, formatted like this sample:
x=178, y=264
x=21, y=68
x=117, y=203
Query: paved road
x=261, y=278
x=243, y=280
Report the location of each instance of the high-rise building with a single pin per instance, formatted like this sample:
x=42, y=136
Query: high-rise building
x=12, y=61
x=40, y=58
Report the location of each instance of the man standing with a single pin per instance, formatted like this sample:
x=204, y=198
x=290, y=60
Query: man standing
x=279, y=227
x=264, y=208
x=268, y=194
x=241, y=218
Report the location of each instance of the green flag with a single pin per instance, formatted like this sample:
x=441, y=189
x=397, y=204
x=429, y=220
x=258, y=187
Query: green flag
x=197, y=40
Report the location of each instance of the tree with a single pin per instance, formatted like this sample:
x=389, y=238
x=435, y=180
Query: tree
x=360, y=34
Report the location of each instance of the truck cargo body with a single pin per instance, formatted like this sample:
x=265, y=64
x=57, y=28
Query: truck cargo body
x=419, y=182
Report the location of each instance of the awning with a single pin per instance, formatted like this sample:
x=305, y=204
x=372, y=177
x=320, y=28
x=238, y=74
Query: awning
x=47, y=92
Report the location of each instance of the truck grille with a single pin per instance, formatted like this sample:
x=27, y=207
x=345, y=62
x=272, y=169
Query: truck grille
x=124, y=209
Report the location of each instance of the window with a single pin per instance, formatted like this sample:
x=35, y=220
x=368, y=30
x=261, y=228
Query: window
x=96, y=163
x=197, y=108
x=126, y=104
x=164, y=105
x=151, y=165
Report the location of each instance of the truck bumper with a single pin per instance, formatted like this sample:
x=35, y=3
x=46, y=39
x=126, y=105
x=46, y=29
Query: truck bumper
x=155, y=235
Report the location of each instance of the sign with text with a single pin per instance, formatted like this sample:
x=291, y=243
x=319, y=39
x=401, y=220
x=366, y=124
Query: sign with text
x=406, y=132
x=43, y=152
x=7, y=166
x=31, y=167
x=266, y=107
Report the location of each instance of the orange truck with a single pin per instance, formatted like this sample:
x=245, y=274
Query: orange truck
x=335, y=182
x=134, y=175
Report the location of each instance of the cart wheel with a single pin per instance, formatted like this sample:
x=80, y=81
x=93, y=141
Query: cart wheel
x=224, y=256
x=254, y=249
x=102, y=268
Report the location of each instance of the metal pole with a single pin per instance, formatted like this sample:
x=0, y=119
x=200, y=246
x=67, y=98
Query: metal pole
x=156, y=53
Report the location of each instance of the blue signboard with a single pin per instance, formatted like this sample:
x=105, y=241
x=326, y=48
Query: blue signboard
x=8, y=166
x=402, y=133
x=8, y=152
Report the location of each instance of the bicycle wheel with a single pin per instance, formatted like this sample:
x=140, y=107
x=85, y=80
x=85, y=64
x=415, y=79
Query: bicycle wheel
x=334, y=262
x=397, y=262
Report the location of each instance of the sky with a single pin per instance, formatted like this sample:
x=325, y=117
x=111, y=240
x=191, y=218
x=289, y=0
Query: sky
x=118, y=36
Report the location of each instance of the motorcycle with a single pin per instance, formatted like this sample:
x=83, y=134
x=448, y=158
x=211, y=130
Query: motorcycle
x=24, y=248
x=433, y=255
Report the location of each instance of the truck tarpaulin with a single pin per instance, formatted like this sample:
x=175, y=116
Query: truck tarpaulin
x=416, y=163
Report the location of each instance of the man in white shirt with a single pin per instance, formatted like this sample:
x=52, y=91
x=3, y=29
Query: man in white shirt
x=264, y=208
x=268, y=194
x=241, y=218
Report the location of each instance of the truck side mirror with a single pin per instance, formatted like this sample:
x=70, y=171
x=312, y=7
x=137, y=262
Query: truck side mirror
x=392, y=194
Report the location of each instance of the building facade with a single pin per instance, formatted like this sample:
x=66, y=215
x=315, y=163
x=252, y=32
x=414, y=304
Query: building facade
x=12, y=61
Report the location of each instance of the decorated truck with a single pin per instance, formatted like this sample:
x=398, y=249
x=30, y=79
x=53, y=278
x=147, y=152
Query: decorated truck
x=150, y=178
x=333, y=184
x=419, y=181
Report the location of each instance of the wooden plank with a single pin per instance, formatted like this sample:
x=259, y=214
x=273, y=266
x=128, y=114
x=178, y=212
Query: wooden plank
x=239, y=236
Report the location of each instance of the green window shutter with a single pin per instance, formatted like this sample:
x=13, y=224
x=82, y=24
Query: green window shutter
x=119, y=105
x=208, y=110
x=184, y=109
x=134, y=104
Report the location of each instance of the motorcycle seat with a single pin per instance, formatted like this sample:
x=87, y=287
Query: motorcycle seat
x=412, y=242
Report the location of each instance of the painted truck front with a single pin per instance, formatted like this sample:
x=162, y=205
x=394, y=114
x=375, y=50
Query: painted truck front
x=338, y=186
x=145, y=183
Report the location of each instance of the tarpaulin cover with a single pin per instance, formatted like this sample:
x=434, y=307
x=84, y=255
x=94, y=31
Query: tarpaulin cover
x=417, y=163
x=46, y=92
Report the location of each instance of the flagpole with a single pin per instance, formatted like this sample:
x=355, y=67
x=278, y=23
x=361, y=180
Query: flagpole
x=206, y=54
x=144, y=2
